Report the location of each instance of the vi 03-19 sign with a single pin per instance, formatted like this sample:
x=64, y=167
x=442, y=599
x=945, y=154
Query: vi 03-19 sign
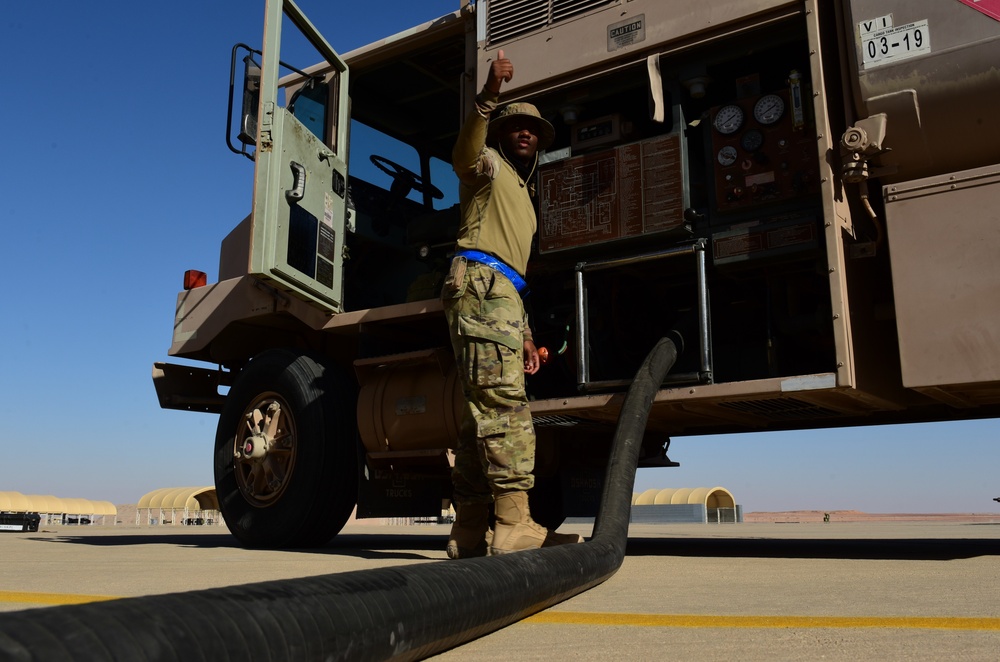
x=883, y=43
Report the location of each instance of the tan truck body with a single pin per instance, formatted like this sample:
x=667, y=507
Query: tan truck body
x=804, y=191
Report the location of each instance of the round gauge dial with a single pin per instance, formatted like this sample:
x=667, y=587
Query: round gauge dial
x=728, y=120
x=769, y=109
x=752, y=140
x=727, y=155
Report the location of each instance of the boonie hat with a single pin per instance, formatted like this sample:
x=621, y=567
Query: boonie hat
x=520, y=109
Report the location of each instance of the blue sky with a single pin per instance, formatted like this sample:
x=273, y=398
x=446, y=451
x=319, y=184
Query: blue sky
x=115, y=179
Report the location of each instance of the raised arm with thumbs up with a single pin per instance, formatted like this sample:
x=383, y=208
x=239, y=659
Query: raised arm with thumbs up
x=501, y=71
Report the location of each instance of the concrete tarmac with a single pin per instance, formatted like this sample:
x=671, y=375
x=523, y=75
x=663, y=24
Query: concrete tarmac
x=837, y=591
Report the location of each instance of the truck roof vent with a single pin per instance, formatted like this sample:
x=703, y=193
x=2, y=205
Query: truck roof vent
x=509, y=18
x=565, y=8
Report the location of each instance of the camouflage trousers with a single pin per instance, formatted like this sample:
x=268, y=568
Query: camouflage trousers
x=496, y=446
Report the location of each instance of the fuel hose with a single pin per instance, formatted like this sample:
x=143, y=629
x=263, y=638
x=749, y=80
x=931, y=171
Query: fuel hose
x=382, y=614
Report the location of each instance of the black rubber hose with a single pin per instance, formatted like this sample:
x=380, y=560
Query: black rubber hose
x=387, y=613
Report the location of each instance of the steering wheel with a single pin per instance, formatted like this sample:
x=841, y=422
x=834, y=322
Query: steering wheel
x=404, y=179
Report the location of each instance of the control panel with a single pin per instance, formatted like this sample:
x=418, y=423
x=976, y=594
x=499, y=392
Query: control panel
x=763, y=149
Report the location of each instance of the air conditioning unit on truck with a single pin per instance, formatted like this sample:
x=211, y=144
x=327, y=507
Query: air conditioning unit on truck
x=804, y=192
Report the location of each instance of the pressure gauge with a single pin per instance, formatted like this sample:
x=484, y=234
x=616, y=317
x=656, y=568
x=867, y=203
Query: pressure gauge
x=728, y=120
x=769, y=109
x=727, y=155
x=752, y=140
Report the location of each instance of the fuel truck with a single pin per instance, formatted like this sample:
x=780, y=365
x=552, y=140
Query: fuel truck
x=803, y=194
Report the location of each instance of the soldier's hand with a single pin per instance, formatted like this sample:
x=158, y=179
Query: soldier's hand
x=531, y=360
x=501, y=71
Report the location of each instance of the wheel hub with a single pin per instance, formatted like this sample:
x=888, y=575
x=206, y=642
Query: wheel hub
x=254, y=447
x=264, y=450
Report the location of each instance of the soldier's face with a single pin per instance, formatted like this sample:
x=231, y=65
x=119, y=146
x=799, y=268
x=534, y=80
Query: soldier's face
x=520, y=139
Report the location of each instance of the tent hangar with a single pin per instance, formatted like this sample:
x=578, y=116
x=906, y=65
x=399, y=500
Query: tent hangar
x=55, y=510
x=686, y=504
x=179, y=505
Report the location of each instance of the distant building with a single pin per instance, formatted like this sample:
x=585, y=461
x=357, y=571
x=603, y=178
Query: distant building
x=56, y=510
x=686, y=504
x=179, y=505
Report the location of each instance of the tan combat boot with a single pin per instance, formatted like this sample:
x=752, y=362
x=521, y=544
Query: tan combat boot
x=516, y=531
x=470, y=533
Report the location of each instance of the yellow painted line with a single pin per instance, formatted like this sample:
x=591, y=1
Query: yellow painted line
x=646, y=620
x=52, y=599
x=802, y=622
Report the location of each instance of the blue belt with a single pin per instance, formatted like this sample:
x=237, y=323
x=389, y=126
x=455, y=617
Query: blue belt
x=497, y=265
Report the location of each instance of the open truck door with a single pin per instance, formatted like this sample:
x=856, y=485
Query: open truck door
x=300, y=180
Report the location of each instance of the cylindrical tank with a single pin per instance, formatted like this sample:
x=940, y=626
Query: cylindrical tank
x=410, y=402
x=934, y=68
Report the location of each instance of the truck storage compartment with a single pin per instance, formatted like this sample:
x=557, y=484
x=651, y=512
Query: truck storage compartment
x=944, y=235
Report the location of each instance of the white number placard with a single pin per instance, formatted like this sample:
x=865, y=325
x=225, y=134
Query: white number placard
x=895, y=43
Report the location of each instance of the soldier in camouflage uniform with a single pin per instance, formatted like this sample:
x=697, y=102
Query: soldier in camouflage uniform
x=495, y=454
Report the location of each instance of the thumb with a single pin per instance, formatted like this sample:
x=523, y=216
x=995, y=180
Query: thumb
x=500, y=55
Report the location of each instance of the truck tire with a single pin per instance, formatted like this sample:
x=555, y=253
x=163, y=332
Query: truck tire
x=286, y=452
